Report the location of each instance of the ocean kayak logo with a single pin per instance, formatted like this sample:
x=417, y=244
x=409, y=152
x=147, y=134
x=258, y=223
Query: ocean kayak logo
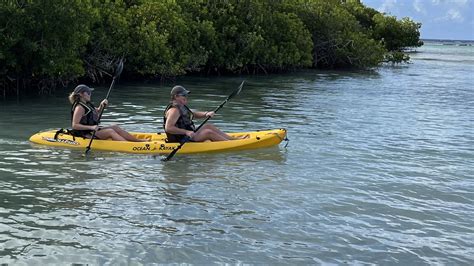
x=147, y=147
x=163, y=147
x=65, y=141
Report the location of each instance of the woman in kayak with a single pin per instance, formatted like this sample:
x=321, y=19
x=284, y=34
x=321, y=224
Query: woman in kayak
x=178, y=120
x=85, y=117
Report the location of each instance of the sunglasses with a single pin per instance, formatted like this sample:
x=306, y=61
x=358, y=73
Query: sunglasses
x=88, y=93
x=182, y=95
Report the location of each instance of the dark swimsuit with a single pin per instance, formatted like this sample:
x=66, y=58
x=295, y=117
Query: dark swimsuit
x=185, y=121
x=90, y=118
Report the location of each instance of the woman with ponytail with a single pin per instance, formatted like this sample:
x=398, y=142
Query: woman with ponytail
x=85, y=117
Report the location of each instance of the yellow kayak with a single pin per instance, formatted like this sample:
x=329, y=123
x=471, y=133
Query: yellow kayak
x=156, y=142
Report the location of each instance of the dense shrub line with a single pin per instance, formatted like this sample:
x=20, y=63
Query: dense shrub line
x=44, y=43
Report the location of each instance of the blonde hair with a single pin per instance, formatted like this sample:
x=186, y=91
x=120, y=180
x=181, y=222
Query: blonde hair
x=74, y=97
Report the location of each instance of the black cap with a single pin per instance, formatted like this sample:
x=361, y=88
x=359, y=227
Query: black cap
x=179, y=90
x=82, y=88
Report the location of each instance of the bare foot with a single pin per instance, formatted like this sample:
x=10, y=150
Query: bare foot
x=246, y=136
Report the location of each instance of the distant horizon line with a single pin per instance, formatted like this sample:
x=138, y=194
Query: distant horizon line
x=449, y=40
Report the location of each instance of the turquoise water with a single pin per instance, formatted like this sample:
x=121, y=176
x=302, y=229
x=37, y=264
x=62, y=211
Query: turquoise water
x=379, y=169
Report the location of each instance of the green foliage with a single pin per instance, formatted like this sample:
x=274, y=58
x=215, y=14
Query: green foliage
x=397, y=57
x=363, y=14
x=338, y=37
x=253, y=35
x=157, y=28
x=59, y=40
x=286, y=42
x=110, y=36
x=396, y=35
x=43, y=38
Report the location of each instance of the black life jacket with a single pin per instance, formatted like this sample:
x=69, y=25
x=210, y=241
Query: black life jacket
x=185, y=121
x=90, y=117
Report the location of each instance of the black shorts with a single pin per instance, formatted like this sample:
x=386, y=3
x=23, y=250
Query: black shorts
x=172, y=138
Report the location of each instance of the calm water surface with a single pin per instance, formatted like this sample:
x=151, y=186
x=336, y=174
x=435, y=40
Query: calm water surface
x=379, y=169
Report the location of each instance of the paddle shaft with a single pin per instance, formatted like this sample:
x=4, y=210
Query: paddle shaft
x=186, y=139
x=106, y=98
x=119, y=70
x=208, y=117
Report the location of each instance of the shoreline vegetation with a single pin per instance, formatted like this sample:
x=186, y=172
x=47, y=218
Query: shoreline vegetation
x=45, y=44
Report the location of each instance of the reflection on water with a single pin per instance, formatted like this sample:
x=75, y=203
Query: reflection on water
x=378, y=170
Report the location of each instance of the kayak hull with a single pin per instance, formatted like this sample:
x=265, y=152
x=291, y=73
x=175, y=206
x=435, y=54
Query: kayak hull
x=156, y=143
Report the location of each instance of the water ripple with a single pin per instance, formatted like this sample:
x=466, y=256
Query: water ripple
x=378, y=171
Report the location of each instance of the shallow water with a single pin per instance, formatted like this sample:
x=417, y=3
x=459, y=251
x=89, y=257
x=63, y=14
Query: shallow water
x=379, y=169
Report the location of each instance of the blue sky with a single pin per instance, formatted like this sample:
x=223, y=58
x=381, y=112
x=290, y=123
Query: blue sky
x=441, y=19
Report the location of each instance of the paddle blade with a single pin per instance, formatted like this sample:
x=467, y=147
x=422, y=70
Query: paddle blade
x=173, y=152
x=119, y=68
x=237, y=91
x=167, y=158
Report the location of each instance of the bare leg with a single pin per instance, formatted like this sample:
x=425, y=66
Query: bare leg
x=124, y=134
x=217, y=131
x=207, y=134
x=108, y=133
x=224, y=135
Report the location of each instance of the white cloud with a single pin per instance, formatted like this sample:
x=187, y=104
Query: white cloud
x=387, y=5
x=451, y=19
x=419, y=7
x=460, y=3
x=455, y=15
x=452, y=10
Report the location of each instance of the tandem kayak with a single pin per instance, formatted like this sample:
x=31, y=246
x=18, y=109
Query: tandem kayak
x=156, y=143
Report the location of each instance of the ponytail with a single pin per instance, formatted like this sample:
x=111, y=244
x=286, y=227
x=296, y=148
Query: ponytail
x=73, y=97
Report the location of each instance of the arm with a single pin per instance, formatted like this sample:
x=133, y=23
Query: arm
x=203, y=114
x=102, y=105
x=76, y=119
x=172, y=117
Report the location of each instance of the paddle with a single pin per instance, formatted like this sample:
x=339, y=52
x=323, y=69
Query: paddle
x=118, y=71
x=186, y=139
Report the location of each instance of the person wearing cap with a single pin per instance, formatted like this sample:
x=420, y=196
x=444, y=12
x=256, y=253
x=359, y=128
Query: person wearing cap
x=85, y=117
x=178, y=120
